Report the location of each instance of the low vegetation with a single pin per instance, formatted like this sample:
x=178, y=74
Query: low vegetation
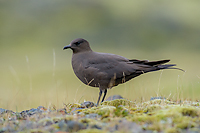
x=119, y=115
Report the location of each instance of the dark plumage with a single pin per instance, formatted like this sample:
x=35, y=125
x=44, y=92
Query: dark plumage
x=105, y=70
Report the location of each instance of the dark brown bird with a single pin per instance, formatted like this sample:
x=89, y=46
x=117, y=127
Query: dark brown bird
x=106, y=70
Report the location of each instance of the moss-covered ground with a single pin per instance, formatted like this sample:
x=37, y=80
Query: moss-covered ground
x=120, y=115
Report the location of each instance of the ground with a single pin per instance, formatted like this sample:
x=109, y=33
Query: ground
x=119, y=115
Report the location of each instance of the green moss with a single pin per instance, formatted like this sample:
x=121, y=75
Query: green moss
x=37, y=131
x=190, y=111
x=88, y=121
x=70, y=106
x=69, y=117
x=137, y=110
x=118, y=102
x=155, y=127
x=156, y=115
x=153, y=108
x=160, y=116
x=106, y=111
x=92, y=131
x=172, y=130
x=120, y=111
x=158, y=101
x=186, y=124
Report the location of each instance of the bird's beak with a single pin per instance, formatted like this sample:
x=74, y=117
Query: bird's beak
x=66, y=47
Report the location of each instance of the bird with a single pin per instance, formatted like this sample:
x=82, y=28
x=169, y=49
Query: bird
x=105, y=70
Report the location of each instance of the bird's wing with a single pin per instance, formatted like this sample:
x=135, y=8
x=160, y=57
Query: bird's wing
x=117, y=69
x=151, y=63
x=111, y=65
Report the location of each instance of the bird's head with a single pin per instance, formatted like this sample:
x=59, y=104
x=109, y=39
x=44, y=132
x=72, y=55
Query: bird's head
x=78, y=45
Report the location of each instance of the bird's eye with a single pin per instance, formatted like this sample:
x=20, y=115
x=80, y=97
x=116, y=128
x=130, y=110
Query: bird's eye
x=77, y=43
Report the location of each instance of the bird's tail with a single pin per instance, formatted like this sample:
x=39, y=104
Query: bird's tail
x=160, y=67
x=149, y=66
x=168, y=66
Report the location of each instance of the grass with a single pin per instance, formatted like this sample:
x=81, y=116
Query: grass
x=36, y=80
x=35, y=71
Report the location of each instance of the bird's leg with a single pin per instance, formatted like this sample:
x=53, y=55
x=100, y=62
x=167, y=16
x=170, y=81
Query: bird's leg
x=105, y=92
x=100, y=93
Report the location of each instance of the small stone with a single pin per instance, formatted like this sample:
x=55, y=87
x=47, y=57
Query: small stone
x=153, y=98
x=74, y=126
x=113, y=97
x=62, y=124
x=41, y=109
x=92, y=116
x=87, y=104
x=31, y=111
x=22, y=115
x=62, y=111
x=76, y=110
x=2, y=110
x=96, y=126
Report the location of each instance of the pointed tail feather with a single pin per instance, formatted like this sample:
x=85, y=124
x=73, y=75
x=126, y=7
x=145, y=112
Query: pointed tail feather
x=170, y=66
x=148, y=66
x=156, y=63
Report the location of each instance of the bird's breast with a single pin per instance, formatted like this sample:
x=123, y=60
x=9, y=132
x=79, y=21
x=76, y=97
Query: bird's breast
x=87, y=74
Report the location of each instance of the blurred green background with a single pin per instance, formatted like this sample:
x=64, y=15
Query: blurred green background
x=34, y=70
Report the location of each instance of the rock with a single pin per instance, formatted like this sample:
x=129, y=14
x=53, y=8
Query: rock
x=92, y=116
x=113, y=97
x=87, y=104
x=153, y=98
x=74, y=126
x=2, y=110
